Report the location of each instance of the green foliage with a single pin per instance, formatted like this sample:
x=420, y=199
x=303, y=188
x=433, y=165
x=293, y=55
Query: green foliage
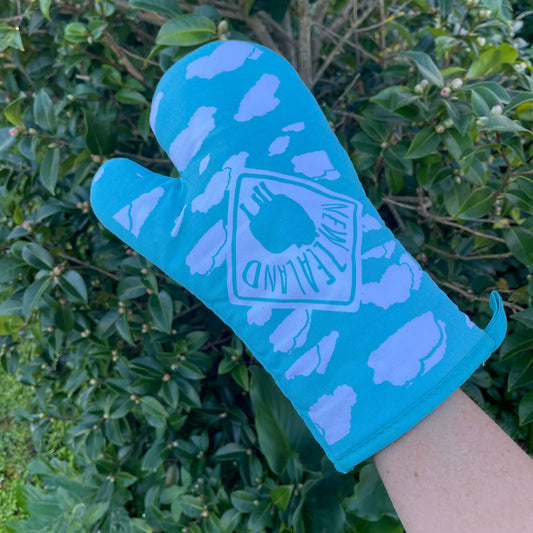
x=15, y=446
x=169, y=423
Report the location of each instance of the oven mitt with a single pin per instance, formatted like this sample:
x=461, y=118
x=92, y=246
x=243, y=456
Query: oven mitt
x=269, y=226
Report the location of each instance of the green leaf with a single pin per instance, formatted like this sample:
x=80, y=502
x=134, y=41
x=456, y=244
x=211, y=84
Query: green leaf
x=43, y=111
x=240, y=375
x=492, y=60
x=18, y=216
x=11, y=269
x=189, y=371
x=481, y=378
x=37, y=256
x=170, y=393
x=515, y=144
x=273, y=441
x=524, y=317
x=64, y=318
x=461, y=114
x=521, y=199
x=6, y=139
x=188, y=393
x=494, y=93
x=161, y=309
x=453, y=71
x=75, y=381
x=525, y=409
x=147, y=368
x=144, y=124
x=248, y=6
x=280, y=430
x=76, y=33
x=139, y=525
x=44, y=6
x=394, y=98
x=374, y=130
x=192, y=505
x=171, y=496
x=10, y=37
x=73, y=286
x=455, y=197
x=478, y=204
x=493, y=5
x=477, y=173
x=10, y=325
x=32, y=295
x=281, y=496
x=520, y=243
x=96, y=28
x=244, y=501
x=370, y=500
x=230, y=451
x=130, y=288
x=261, y=518
x=444, y=44
x=394, y=178
x=169, y=8
x=517, y=100
x=27, y=146
x=100, y=136
x=424, y=143
x=386, y=524
x=129, y=96
x=208, y=11
x=123, y=329
x=521, y=347
x=445, y=7
x=480, y=107
x=395, y=158
x=322, y=511
x=13, y=112
x=426, y=67
x=125, y=479
x=95, y=512
x=49, y=170
x=456, y=143
x=155, y=456
x=226, y=365
x=230, y=520
x=186, y=30
x=120, y=408
x=154, y=411
x=196, y=339
x=12, y=306
x=521, y=373
x=106, y=326
x=503, y=123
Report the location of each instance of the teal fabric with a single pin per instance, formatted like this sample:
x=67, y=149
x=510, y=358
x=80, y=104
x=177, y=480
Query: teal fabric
x=269, y=227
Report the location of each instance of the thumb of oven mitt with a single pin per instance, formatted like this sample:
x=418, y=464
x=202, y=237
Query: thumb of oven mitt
x=269, y=226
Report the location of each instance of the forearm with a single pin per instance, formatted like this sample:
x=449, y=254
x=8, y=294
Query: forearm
x=457, y=471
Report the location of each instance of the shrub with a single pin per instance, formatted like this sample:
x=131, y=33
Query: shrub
x=171, y=423
x=15, y=445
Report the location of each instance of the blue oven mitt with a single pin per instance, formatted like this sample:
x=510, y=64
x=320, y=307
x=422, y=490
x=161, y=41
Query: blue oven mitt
x=269, y=227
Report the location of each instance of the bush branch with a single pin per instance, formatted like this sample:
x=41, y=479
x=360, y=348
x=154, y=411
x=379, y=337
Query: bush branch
x=463, y=291
x=122, y=58
x=305, y=61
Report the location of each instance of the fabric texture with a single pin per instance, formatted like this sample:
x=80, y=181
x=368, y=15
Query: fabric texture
x=269, y=226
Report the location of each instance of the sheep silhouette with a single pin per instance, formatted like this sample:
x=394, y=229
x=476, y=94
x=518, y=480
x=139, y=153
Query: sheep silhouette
x=276, y=217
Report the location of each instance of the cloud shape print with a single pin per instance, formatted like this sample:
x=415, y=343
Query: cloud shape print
x=260, y=99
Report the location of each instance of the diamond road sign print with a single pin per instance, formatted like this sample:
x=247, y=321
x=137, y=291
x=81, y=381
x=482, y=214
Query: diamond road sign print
x=293, y=242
